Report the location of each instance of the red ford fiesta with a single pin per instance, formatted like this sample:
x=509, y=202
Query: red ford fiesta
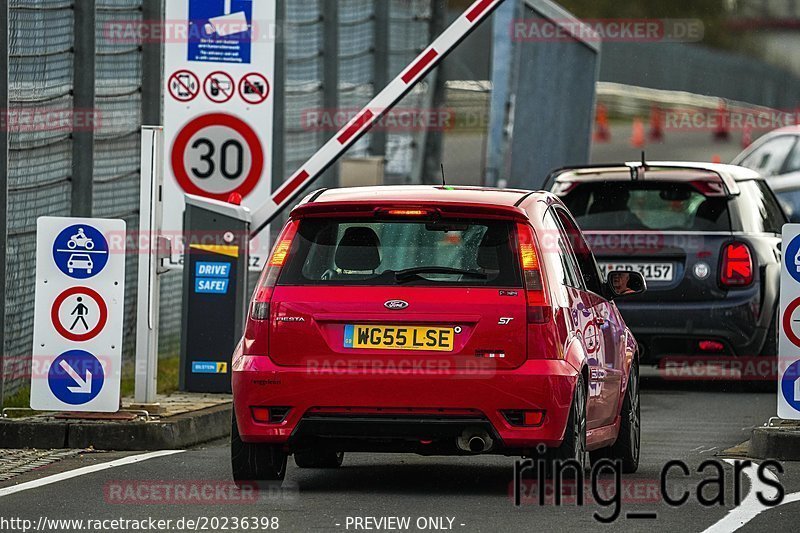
x=433, y=320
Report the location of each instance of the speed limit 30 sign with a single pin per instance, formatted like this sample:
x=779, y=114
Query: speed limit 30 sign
x=216, y=155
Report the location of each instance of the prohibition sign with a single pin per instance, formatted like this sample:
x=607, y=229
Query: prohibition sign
x=218, y=87
x=183, y=85
x=590, y=336
x=207, y=123
x=787, y=322
x=66, y=333
x=254, y=88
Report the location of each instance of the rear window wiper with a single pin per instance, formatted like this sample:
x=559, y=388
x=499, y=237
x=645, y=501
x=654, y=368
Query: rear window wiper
x=410, y=273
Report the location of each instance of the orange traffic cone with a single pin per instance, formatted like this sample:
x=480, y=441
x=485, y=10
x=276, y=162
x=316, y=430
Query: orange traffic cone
x=722, y=131
x=747, y=136
x=602, y=133
x=637, y=133
x=716, y=159
x=656, y=126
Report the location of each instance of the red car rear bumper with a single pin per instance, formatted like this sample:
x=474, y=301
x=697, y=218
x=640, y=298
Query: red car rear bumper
x=545, y=385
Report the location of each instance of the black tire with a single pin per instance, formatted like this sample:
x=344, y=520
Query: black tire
x=255, y=463
x=627, y=447
x=573, y=446
x=318, y=459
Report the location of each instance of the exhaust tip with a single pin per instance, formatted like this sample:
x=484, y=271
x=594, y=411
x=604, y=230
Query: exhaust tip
x=474, y=440
x=477, y=444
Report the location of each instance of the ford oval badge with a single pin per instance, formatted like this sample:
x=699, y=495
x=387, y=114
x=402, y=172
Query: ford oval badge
x=396, y=305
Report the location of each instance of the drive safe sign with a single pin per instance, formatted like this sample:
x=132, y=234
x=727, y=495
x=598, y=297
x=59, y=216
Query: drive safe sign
x=218, y=108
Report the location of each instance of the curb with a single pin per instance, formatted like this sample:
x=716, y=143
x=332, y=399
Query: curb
x=175, y=432
x=775, y=443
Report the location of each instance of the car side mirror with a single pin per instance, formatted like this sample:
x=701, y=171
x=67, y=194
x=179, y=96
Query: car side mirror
x=624, y=283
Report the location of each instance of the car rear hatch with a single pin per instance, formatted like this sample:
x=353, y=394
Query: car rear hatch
x=403, y=289
x=672, y=225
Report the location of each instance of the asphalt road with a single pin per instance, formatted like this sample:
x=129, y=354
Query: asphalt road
x=687, y=422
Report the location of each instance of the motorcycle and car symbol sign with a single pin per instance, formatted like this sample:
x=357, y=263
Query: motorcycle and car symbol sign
x=80, y=251
x=78, y=314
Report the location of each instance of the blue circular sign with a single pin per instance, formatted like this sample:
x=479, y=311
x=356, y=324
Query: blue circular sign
x=790, y=385
x=80, y=251
x=76, y=377
x=792, y=257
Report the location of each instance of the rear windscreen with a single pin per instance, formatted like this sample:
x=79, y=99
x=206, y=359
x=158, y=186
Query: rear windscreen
x=661, y=206
x=402, y=253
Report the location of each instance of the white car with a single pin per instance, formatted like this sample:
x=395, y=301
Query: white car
x=776, y=156
x=80, y=262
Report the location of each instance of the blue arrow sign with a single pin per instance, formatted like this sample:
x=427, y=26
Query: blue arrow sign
x=76, y=377
x=790, y=385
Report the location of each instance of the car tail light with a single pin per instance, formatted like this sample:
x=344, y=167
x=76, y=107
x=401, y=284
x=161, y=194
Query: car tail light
x=259, y=308
x=711, y=346
x=737, y=265
x=538, y=308
x=269, y=415
x=408, y=212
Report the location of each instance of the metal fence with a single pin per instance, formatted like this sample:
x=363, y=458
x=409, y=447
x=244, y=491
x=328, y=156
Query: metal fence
x=335, y=54
x=40, y=70
x=699, y=70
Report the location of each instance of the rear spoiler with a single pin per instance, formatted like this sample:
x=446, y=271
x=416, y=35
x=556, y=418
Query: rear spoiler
x=375, y=209
x=639, y=169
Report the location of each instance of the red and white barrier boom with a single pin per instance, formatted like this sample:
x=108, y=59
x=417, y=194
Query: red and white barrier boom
x=369, y=115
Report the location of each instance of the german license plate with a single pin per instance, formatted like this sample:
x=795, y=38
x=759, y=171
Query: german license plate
x=650, y=271
x=398, y=338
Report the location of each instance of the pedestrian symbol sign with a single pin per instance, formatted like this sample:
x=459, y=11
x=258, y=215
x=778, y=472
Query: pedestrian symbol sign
x=78, y=314
x=80, y=251
x=81, y=310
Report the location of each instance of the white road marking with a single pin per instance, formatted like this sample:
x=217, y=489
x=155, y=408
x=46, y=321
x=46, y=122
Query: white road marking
x=750, y=506
x=55, y=478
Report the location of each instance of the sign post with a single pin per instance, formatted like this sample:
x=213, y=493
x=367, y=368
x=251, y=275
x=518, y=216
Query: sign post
x=77, y=328
x=789, y=341
x=218, y=108
x=151, y=248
